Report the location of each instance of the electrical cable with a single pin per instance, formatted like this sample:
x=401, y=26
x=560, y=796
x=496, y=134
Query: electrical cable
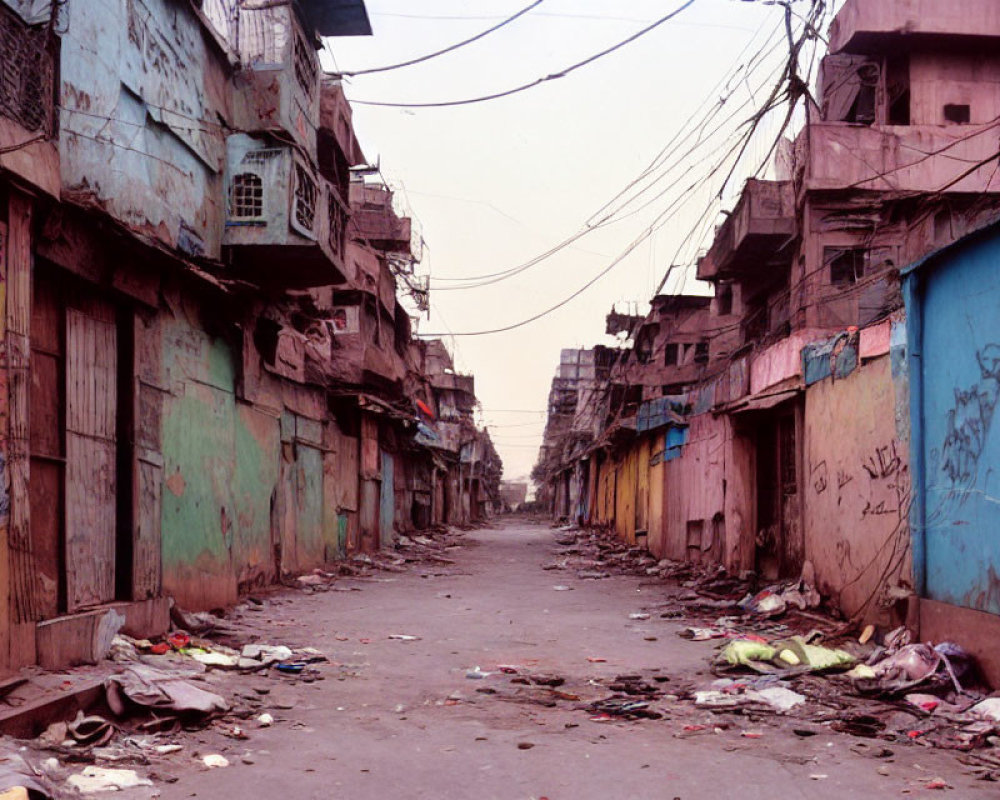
x=609, y=219
x=450, y=49
x=550, y=77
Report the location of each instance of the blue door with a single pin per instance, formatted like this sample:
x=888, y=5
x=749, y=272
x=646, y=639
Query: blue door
x=958, y=308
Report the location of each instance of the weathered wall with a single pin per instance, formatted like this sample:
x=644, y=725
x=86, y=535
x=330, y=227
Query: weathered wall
x=857, y=488
x=221, y=461
x=694, y=501
x=141, y=94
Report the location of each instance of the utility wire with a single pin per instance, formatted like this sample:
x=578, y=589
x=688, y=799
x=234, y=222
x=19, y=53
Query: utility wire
x=550, y=77
x=452, y=48
x=477, y=281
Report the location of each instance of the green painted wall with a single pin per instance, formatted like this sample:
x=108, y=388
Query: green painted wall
x=220, y=468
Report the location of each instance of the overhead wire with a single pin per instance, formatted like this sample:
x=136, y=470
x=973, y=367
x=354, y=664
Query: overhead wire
x=610, y=217
x=436, y=53
x=539, y=81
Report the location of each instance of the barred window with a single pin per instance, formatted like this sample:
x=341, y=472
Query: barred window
x=246, y=196
x=27, y=74
x=305, y=70
x=305, y=198
x=338, y=223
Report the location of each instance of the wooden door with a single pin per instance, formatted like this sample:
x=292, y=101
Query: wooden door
x=47, y=446
x=91, y=455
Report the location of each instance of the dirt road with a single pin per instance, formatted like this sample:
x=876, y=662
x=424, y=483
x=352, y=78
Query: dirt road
x=401, y=719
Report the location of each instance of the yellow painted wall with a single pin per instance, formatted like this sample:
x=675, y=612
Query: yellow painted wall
x=857, y=486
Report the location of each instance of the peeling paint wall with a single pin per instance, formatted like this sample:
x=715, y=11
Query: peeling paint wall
x=857, y=489
x=221, y=462
x=693, y=527
x=139, y=120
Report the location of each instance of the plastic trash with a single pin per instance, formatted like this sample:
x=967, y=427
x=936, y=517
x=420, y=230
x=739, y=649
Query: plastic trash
x=744, y=652
x=265, y=720
x=764, y=604
x=404, y=637
x=638, y=615
x=214, y=761
x=477, y=674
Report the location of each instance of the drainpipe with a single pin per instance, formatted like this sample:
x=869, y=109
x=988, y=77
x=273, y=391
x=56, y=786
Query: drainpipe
x=918, y=510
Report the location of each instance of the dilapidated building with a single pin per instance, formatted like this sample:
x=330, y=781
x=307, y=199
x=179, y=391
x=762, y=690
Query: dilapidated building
x=781, y=438
x=208, y=378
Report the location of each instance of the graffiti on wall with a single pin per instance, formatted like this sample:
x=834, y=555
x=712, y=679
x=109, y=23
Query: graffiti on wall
x=970, y=419
x=881, y=481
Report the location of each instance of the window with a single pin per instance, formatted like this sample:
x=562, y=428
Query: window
x=305, y=70
x=670, y=354
x=849, y=264
x=338, y=223
x=246, y=197
x=305, y=199
x=846, y=266
x=724, y=301
x=958, y=114
x=701, y=353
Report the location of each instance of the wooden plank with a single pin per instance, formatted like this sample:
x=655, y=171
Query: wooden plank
x=90, y=521
x=147, y=574
x=18, y=347
x=91, y=459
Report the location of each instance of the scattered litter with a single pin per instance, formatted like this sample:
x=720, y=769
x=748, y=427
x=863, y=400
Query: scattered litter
x=214, y=760
x=265, y=720
x=638, y=615
x=100, y=779
x=987, y=709
x=562, y=588
x=477, y=674
x=404, y=637
x=153, y=688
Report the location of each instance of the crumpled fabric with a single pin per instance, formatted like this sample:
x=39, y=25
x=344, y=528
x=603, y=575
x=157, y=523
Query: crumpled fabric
x=153, y=688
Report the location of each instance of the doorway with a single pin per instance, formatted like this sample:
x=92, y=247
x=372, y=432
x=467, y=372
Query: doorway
x=79, y=490
x=779, y=541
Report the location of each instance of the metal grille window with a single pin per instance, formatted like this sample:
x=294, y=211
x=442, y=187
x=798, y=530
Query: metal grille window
x=305, y=198
x=26, y=77
x=338, y=224
x=246, y=196
x=305, y=69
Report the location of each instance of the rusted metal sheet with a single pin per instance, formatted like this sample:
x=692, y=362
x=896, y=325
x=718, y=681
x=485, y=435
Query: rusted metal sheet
x=387, y=500
x=642, y=471
x=346, y=449
x=148, y=66
x=370, y=459
x=91, y=423
x=368, y=515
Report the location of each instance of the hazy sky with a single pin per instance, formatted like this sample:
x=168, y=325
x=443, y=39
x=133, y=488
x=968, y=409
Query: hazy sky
x=498, y=183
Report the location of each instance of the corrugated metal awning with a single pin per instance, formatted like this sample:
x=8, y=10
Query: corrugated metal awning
x=763, y=402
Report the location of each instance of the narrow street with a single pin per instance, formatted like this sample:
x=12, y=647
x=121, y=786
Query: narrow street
x=398, y=718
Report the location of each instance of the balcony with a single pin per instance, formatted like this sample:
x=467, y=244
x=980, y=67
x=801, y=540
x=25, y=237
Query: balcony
x=752, y=236
x=452, y=381
x=871, y=26
x=278, y=90
x=285, y=224
x=374, y=220
x=895, y=158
